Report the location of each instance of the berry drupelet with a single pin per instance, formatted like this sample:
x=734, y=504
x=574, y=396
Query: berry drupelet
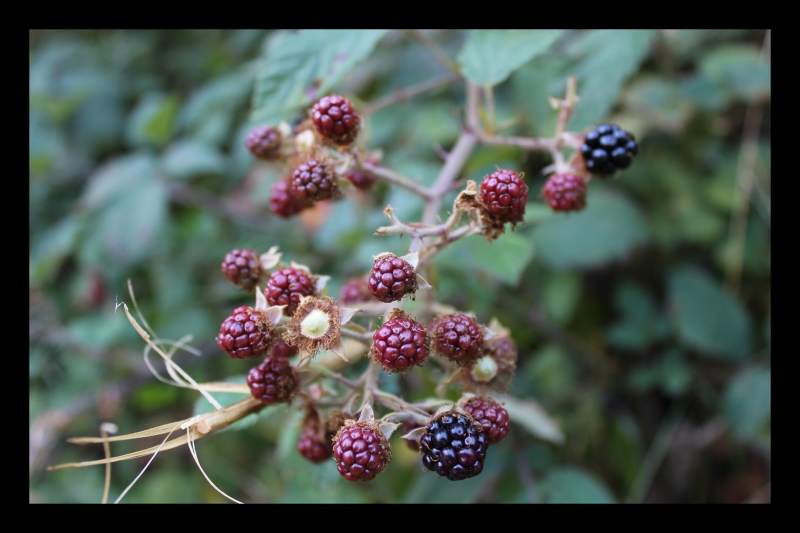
x=504, y=195
x=264, y=142
x=607, y=148
x=335, y=119
x=491, y=416
x=246, y=333
x=400, y=343
x=392, y=278
x=565, y=192
x=314, y=181
x=242, y=268
x=458, y=338
x=453, y=446
x=273, y=381
x=283, y=202
x=361, y=451
x=287, y=286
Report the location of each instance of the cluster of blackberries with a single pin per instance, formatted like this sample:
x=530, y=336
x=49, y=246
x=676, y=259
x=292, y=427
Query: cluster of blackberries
x=336, y=122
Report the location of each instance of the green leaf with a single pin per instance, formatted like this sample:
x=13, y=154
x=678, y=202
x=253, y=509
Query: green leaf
x=187, y=158
x=641, y=323
x=532, y=416
x=606, y=59
x=118, y=178
x=129, y=226
x=504, y=259
x=151, y=122
x=706, y=317
x=748, y=402
x=490, y=56
x=561, y=293
x=302, y=66
x=573, y=485
x=738, y=69
x=609, y=228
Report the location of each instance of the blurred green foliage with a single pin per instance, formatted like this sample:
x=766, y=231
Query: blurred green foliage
x=641, y=329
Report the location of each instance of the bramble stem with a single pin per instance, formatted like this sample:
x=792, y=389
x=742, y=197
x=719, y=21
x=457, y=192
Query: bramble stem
x=404, y=93
x=396, y=179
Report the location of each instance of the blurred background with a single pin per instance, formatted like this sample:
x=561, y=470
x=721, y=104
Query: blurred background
x=643, y=322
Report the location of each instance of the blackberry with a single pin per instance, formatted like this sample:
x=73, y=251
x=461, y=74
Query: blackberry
x=264, y=142
x=504, y=195
x=281, y=349
x=361, y=451
x=315, y=443
x=400, y=343
x=458, y=338
x=246, y=333
x=408, y=427
x=335, y=119
x=392, y=278
x=607, y=148
x=565, y=192
x=491, y=416
x=286, y=287
x=453, y=446
x=314, y=181
x=360, y=179
x=355, y=291
x=242, y=268
x=282, y=200
x=273, y=381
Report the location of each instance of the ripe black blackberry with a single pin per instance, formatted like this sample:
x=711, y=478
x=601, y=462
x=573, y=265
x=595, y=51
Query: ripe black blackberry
x=458, y=338
x=392, y=278
x=282, y=200
x=453, y=446
x=607, y=148
x=400, y=343
x=314, y=181
x=504, y=195
x=361, y=451
x=273, y=381
x=287, y=286
x=246, y=333
x=491, y=416
x=565, y=192
x=242, y=268
x=264, y=142
x=335, y=119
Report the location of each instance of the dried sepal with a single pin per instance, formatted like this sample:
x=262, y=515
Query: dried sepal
x=412, y=259
x=387, y=428
x=367, y=413
x=315, y=326
x=348, y=313
x=415, y=434
x=270, y=258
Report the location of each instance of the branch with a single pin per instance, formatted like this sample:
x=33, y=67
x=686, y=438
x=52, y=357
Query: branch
x=396, y=179
x=404, y=93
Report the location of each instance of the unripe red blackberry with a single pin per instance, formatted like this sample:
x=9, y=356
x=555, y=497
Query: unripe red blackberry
x=314, y=181
x=335, y=119
x=361, y=451
x=242, y=268
x=355, y=291
x=246, y=333
x=392, y=278
x=504, y=195
x=491, y=416
x=400, y=343
x=282, y=200
x=281, y=349
x=264, y=142
x=315, y=443
x=273, y=381
x=453, y=446
x=458, y=338
x=565, y=192
x=287, y=286
x=360, y=179
x=408, y=427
